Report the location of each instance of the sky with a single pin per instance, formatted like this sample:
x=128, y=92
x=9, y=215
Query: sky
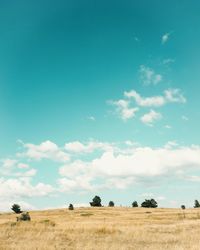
x=99, y=98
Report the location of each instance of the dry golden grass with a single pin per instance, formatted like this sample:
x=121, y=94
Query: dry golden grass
x=103, y=228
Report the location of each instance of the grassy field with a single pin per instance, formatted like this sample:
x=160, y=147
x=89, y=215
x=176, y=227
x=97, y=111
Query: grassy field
x=103, y=228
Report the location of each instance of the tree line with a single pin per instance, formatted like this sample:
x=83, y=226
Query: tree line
x=96, y=202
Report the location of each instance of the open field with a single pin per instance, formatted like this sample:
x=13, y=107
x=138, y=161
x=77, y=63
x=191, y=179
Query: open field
x=103, y=228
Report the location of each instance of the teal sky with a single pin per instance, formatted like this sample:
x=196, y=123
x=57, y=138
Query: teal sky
x=89, y=90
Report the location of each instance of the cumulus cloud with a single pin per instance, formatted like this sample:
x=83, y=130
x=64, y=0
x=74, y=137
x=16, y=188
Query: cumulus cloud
x=151, y=117
x=45, y=150
x=148, y=76
x=128, y=168
x=124, y=109
x=13, y=188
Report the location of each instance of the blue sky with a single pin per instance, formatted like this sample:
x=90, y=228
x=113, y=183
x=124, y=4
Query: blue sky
x=99, y=98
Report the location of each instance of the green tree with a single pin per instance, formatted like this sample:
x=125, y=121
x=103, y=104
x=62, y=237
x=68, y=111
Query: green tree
x=196, y=204
x=96, y=202
x=111, y=204
x=149, y=203
x=183, y=207
x=16, y=208
x=71, y=207
x=135, y=204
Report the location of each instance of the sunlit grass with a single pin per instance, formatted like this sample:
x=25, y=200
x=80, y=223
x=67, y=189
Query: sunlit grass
x=103, y=228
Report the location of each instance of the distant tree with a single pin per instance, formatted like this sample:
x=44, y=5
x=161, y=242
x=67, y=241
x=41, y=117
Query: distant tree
x=16, y=208
x=135, y=204
x=196, y=204
x=71, y=207
x=183, y=208
x=111, y=204
x=149, y=203
x=96, y=202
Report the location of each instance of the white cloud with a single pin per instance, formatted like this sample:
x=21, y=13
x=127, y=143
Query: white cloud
x=21, y=187
x=28, y=173
x=45, y=150
x=165, y=38
x=116, y=168
x=8, y=163
x=154, y=101
x=151, y=117
x=174, y=95
x=148, y=76
x=88, y=147
x=78, y=183
x=170, y=96
x=124, y=110
x=193, y=178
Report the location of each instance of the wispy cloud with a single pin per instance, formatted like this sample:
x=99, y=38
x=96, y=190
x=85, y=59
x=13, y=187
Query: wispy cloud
x=185, y=118
x=123, y=109
x=91, y=118
x=149, y=76
x=168, y=61
x=165, y=38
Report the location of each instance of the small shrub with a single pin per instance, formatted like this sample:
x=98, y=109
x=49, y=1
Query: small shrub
x=71, y=207
x=86, y=214
x=24, y=217
x=16, y=208
x=135, y=204
x=183, y=207
x=111, y=204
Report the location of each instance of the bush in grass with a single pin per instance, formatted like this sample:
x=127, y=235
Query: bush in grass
x=24, y=217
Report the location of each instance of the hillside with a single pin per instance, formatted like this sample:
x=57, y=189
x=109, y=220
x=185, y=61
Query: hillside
x=102, y=228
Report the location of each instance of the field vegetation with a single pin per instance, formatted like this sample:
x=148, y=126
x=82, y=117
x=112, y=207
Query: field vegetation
x=95, y=228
